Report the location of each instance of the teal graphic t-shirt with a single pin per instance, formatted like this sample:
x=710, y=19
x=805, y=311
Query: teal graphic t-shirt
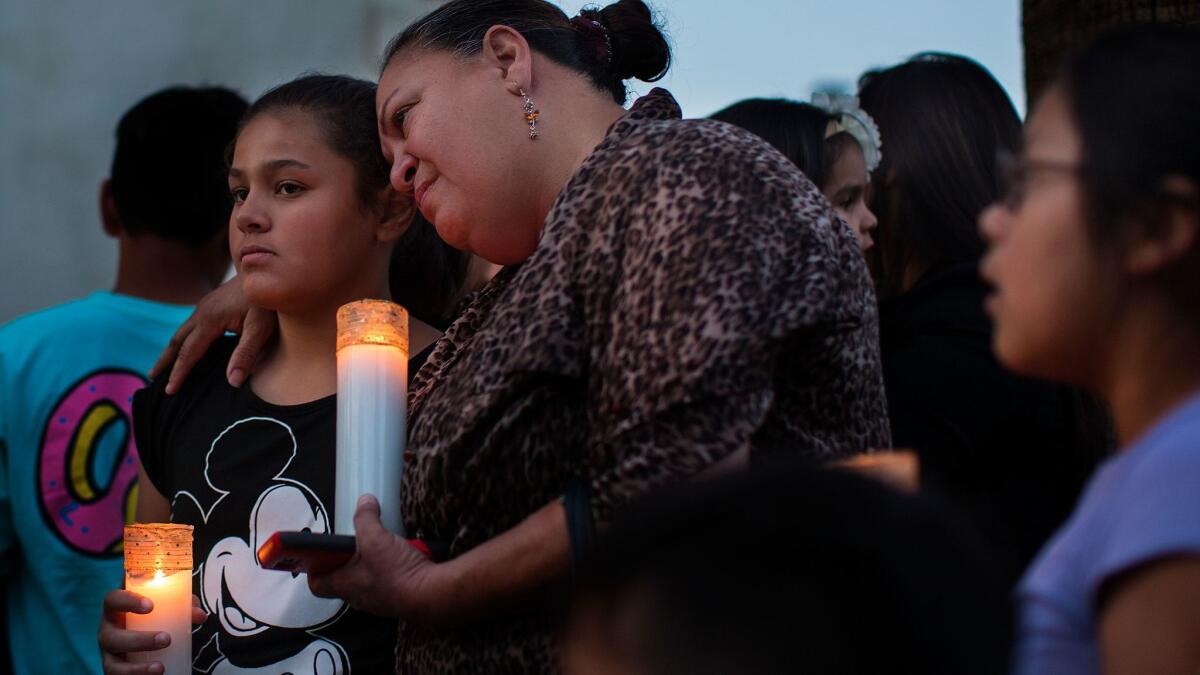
x=68, y=467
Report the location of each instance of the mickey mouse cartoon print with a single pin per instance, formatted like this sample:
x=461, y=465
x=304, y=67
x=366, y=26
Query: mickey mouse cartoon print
x=251, y=607
x=239, y=469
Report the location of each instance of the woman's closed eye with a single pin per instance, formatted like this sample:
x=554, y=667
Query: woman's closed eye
x=400, y=117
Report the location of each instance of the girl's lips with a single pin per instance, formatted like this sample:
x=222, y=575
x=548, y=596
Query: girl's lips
x=251, y=255
x=256, y=257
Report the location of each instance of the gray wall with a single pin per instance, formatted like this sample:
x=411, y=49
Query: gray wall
x=69, y=69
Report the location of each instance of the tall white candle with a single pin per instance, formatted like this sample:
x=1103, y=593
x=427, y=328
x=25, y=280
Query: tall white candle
x=372, y=364
x=158, y=566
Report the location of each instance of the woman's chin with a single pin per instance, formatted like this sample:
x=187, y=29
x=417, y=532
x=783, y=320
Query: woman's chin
x=451, y=232
x=1020, y=357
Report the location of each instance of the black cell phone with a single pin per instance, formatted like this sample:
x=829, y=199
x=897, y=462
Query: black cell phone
x=306, y=552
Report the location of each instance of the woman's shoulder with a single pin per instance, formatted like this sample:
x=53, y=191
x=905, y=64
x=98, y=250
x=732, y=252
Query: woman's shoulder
x=1167, y=456
x=700, y=141
x=1141, y=505
x=717, y=170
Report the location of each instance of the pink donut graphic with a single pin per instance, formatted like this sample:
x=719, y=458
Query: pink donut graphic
x=86, y=513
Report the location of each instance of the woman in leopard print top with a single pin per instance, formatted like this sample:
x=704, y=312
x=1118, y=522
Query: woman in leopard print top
x=684, y=295
x=677, y=296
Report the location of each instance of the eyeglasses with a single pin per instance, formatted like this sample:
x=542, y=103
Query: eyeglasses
x=1014, y=173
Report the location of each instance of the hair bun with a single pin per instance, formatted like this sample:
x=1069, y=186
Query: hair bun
x=639, y=48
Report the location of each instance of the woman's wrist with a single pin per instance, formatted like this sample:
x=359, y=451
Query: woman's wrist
x=523, y=568
x=440, y=600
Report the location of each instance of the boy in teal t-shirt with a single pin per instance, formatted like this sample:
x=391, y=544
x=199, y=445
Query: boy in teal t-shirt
x=68, y=464
x=68, y=467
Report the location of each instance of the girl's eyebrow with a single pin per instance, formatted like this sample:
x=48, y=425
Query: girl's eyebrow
x=276, y=164
x=851, y=189
x=271, y=165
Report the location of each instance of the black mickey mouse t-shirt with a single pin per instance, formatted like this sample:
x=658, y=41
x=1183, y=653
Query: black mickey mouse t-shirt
x=240, y=469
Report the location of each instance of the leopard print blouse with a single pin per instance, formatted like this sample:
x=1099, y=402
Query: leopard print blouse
x=692, y=294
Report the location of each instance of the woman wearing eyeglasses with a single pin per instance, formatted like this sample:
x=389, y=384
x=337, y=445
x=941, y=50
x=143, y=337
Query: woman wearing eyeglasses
x=1094, y=259
x=1012, y=453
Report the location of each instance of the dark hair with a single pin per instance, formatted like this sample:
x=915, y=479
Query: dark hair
x=943, y=118
x=795, y=129
x=629, y=44
x=344, y=110
x=168, y=170
x=426, y=274
x=798, y=569
x=1131, y=148
x=836, y=146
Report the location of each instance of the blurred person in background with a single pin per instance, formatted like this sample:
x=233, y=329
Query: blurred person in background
x=68, y=462
x=1011, y=453
x=1094, y=257
x=835, y=144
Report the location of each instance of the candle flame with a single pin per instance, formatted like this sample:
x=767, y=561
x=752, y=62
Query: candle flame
x=158, y=579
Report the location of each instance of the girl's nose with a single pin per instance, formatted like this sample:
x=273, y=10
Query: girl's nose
x=870, y=222
x=249, y=218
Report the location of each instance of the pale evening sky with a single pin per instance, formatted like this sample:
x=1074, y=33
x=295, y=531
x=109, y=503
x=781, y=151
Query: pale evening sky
x=726, y=51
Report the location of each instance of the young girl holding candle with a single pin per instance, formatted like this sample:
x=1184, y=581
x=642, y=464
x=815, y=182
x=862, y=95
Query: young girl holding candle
x=313, y=226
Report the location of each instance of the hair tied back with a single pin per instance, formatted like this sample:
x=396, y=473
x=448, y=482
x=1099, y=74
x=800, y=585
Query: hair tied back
x=590, y=23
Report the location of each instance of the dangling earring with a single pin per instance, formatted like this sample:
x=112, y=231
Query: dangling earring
x=531, y=115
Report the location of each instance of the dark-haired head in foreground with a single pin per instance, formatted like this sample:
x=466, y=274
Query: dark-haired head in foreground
x=799, y=571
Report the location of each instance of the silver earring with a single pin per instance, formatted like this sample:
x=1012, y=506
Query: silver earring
x=531, y=115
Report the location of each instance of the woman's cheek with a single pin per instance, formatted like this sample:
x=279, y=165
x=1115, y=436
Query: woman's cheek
x=1026, y=318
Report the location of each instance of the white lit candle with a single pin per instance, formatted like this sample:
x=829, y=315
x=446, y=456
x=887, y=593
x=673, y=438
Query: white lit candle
x=372, y=366
x=158, y=566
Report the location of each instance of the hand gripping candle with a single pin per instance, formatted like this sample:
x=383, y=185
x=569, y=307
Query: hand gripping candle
x=158, y=565
x=372, y=367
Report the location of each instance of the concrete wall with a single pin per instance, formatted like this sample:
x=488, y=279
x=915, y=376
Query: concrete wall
x=70, y=68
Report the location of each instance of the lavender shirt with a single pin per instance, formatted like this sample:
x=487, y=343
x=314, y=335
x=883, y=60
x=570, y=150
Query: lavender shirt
x=1141, y=505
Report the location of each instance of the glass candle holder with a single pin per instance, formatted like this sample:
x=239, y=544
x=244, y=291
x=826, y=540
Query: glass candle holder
x=372, y=393
x=158, y=566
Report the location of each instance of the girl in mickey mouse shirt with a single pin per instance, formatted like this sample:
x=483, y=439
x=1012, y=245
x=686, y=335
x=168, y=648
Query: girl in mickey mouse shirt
x=313, y=226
